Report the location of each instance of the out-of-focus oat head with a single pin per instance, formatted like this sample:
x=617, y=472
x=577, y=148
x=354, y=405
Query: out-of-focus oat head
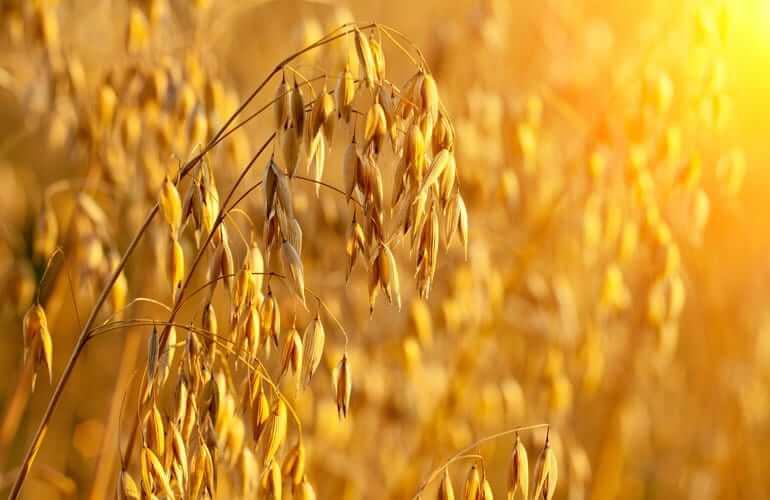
x=300, y=249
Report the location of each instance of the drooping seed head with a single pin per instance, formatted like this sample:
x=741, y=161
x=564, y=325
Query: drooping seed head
x=127, y=487
x=175, y=265
x=546, y=473
x=38, y=347
x=350, y=167
x=314, y=340
x=294, y=464
x=518, y=474
x=430, y=98
x=378, y=57
x=328, y=118
x=282, y=104
x=345, y=94
x=306, y=491
x=297, y=110
x=292, y=352
x=366, y=59
x=342, y=381
x=290, y=148
x=486, y=491
x=472, y=487
x=292, y=265
x=446, y=490
x=171, y=204
x=275, y=433
x=376, y=127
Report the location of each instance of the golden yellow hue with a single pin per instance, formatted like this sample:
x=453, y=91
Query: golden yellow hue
x=384, y=250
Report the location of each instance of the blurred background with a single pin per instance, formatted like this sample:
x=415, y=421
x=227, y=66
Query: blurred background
x=612, y=159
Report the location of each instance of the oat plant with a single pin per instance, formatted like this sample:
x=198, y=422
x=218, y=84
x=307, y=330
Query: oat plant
x=228, y=407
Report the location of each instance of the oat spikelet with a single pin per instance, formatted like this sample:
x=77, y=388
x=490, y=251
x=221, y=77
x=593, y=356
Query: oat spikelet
x=270, y=318
x=306, y=491
x=486, y=491
x=171, y=204
x=290, y=146
x=376, y=127
x=366, y=59
x=153, y=348
x=414, y=154
x=198, y=468
x=292, y=352
x=447, y=180
x=210, y=325
x=462, y=223
x=228, y=272
x=271, y=187
x=292, y=265
x=272, y=482
x=294, y=464
x=158, y=472
x=295, y=235
x=275, y=431
x=328, y=117
x=429, y=94
x=38, y=347
x=389, y=275
x=256, y=266
x=284, y=194
x=282, y=103
x=345, y=94
x=546, y=473
x=355, y=244
x=315, y=338
x=318, y=115
x=155, y=431
x=399, y=186
x=175, y=265
x=472, y=488
x=127, y=487
x=317, y=160
x=297, y=110
x=443, y=136
x=452, y=219
x=179, y=452
x=119, y=292
x=446, y=490
x=350, y=166
x=260, y=413
x=518, y=473
x=374, y=286
x=378, y=57
x=342, y=381
x=251, y=334
x=440, y=162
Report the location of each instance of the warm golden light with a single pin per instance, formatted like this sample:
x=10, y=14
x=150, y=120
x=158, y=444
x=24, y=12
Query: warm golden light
x=385, y=250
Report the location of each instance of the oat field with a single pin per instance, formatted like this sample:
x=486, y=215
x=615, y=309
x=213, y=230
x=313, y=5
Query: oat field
x=300, y=249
